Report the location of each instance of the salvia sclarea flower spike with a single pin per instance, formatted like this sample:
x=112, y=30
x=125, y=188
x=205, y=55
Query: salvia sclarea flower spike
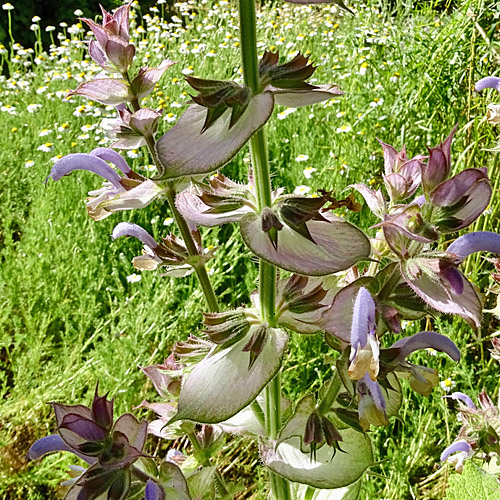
x=293, y=234
x=225, y=115
x=120, y=192
x=170, y=253
x=450, y=204
x=113, y=51
x=109, y=447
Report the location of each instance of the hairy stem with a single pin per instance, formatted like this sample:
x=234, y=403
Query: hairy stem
x=267, y=272
x=205, y=461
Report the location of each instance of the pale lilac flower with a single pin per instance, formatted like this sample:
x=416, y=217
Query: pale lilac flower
x=457, y=453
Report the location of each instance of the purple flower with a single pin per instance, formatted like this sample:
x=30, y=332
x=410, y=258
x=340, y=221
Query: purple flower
x=460, y=396
x=171, y=253
x=109, y=448
x=120, y=192
x=457, y=453
x=479, y=241
x=364, y=355
x=489, y=82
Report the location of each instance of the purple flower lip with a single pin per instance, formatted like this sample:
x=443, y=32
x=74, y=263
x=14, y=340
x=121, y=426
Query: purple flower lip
x=479, y=241
x=459, y=446
x=83, y=161
x=460, y=396
x=424, y=340
x=363, y=318
x=489, y=82
x=129, y=229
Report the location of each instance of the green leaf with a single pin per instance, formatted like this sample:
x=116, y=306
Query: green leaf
x=222, y=384
x=173, y=482
x=473, y=484
x=328, y=470
x=201, y=484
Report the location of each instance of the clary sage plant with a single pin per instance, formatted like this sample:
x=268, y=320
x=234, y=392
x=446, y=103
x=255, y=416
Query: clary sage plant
x=339, y=283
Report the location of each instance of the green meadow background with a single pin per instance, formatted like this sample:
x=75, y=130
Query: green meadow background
x=71, y=311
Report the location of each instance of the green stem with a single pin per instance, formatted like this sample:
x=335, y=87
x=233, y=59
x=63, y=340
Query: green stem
x=390, y=284
x=199, y=268
x=140, y=474
x=309, y=493
x=331, y=394
x=205, y=461
x=259, y=413
x=267, y=285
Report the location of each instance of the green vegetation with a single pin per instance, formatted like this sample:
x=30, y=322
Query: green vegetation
x=71, y=309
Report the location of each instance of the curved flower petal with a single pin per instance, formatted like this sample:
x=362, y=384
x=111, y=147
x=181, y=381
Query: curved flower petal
x=459, y=446
x=489, y=82
x=423, y=340
x=185, y=151
x=460, y=396
x=83, y=161
x=335, y=245
x=53, y=443
x=129, y=229
x=117, y=159
x=479, y=241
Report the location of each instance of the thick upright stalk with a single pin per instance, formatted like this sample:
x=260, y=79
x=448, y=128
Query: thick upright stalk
x=267, y=272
